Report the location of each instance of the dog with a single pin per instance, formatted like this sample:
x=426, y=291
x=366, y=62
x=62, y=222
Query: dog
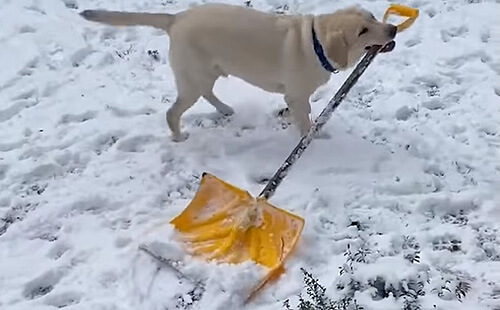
x=291, y=55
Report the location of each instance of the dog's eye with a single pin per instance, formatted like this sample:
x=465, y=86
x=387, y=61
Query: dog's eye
x=363, y=31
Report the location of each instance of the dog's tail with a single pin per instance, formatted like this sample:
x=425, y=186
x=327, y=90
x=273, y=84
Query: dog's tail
x=115, y=18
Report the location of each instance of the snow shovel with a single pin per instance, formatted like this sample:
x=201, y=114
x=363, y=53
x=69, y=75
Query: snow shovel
x=226, y=224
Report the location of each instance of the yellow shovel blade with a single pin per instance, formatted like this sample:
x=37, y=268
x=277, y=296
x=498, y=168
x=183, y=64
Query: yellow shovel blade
x=226, y=224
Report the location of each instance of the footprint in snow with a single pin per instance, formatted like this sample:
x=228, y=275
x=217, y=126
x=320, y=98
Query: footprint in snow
x=3, y=171
x=27, y=94
x=433, y=104
x=459, y=61
x=210, y=120
x=43, y=230
x=431, y=12
x=120, y=112
x=447, y=35
x=108, y=33
x=106, y=140
x=122, y=242
x=106, y=60
x=121, y=223
x=16, y=108
x=94, y=205
x=403, y=113
x=78, y=118
x=27, y=29
x=58, y=250
x=63, y=299
x=29, y=67
x=43, y=284
x=72, y=162
x=108, y=278
x=80, y=55
x=50, y=89
x=30, y=64
x=43, y=172
x=430, y=82
x=70, y=4
x=136, y=143
x=413, y=42
x=15, y=213
x=6, y=147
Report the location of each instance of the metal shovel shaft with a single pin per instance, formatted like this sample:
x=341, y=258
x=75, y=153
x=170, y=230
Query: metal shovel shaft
x=325, y=115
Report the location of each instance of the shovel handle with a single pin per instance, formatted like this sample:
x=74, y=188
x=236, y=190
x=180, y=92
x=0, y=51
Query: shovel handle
x=325, y=115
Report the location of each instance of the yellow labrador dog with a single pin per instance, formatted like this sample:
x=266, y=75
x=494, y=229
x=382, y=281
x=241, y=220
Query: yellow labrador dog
x=290, y=55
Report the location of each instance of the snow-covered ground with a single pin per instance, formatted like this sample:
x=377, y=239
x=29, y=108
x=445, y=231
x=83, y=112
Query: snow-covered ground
x=409, y=179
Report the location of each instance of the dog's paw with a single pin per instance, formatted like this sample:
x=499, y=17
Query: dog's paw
x=180, y=137
x=226, y=111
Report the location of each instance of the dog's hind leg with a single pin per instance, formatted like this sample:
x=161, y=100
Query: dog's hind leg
x=186, y=97
x=181, y=105
x=190, y=89
x=195, y=78
x=217, y=104
x=207, y=82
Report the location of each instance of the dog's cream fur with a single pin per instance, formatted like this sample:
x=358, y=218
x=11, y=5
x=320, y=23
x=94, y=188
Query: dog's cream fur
x=273, y=52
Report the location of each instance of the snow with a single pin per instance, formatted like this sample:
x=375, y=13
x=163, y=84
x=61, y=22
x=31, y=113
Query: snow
x=87, y=170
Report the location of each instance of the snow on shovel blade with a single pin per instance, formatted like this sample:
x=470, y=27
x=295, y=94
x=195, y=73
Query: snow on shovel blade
x=226, y=224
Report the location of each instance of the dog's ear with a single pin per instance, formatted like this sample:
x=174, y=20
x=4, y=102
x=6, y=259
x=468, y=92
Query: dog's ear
x=336, y=48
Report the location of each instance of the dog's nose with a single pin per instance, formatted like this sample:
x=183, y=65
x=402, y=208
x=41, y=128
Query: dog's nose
x=392, y=30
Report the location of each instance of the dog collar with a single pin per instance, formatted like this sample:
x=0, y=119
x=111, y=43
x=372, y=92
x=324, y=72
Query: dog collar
x=318, y=49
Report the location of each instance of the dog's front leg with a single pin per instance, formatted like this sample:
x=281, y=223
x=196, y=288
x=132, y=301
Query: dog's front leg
x=301, y=110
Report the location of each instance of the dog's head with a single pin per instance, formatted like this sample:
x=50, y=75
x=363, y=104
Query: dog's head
x=347, y=34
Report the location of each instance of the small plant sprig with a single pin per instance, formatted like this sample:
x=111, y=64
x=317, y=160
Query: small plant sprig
x=411, y=304
x=318, y=300
x=458, y=287
x=411, y=249
x=461, y=290
x=413, y=257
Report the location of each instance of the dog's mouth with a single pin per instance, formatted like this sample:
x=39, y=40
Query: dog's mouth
x=386, y=48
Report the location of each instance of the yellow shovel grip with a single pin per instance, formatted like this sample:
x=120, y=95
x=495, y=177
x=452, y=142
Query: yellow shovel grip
x=401, y=10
